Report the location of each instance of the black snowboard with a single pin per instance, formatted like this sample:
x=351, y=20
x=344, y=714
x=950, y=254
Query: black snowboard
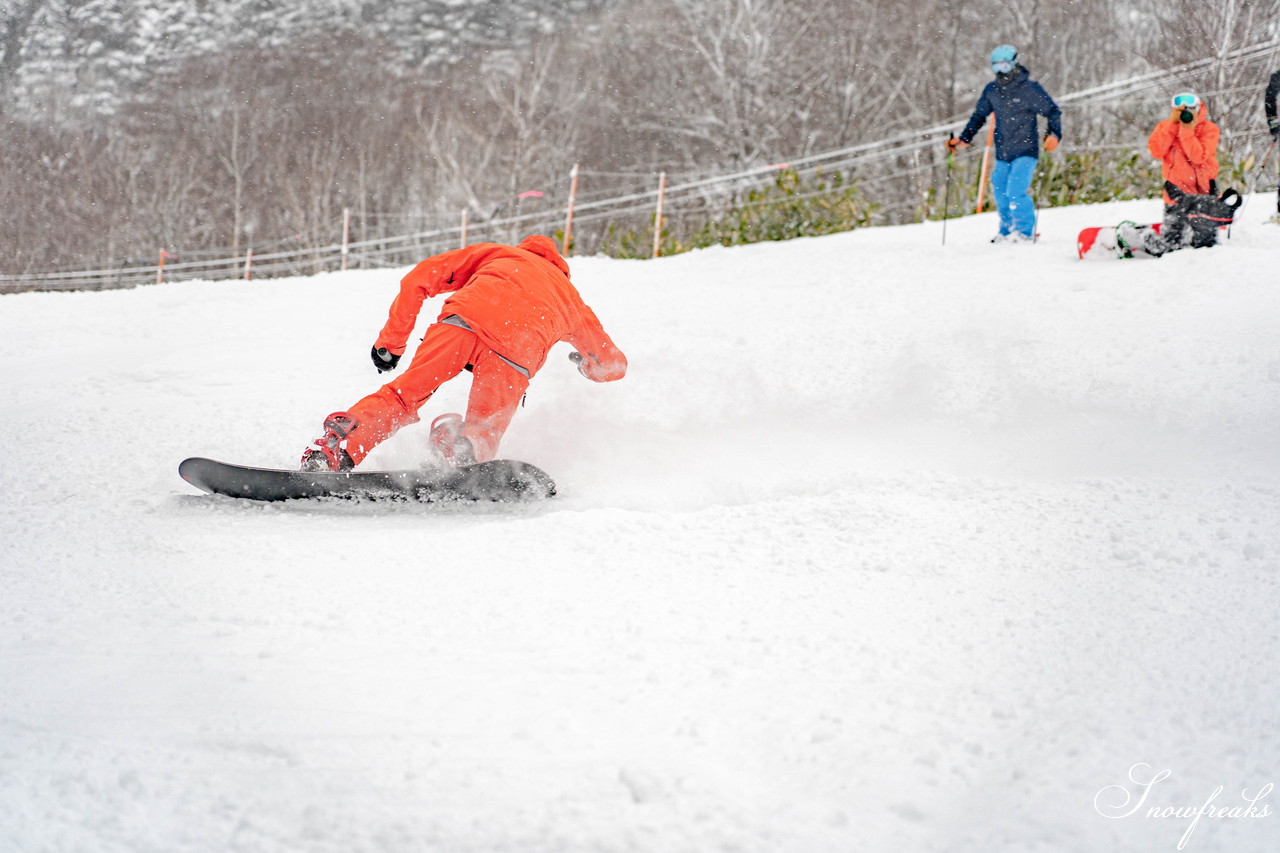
x=497, y=480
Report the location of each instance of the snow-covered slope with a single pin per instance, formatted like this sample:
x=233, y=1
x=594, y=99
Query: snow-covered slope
x=882, y=545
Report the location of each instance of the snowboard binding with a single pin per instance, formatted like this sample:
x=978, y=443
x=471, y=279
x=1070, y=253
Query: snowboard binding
x=448, y=446
x=328, y=453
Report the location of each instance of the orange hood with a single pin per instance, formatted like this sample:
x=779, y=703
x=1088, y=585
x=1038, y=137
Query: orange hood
x=546, y=248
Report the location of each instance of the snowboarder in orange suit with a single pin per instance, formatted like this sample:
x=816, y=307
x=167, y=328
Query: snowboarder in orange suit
x=510, y=306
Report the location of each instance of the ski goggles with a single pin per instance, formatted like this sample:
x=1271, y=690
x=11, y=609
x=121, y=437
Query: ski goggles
x=1003, y=66
x=1186, y=100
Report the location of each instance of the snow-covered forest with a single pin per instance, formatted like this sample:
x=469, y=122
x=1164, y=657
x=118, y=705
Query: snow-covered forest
x=130, y=125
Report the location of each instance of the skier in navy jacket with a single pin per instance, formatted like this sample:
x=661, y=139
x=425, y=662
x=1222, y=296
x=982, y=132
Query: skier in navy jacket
x=1273, y=122
x=1016, y=100
x=1269, y=104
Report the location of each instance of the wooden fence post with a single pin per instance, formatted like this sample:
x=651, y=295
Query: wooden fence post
x=657, y=219
x=986, y=163
x=346, y=236
x=568, y=219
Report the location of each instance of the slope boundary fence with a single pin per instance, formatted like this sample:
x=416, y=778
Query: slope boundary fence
x=903, y=165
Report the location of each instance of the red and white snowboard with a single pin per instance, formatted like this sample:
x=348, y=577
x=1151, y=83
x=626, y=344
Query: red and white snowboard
x=1105, y=242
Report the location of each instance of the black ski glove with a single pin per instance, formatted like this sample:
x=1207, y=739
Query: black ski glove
x=384, y=359
x=576, y=358
x=1273, y=124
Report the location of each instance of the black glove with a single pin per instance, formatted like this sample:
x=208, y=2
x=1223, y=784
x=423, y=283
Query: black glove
x=1273, y=124
x=384, y=359
x=576, y=358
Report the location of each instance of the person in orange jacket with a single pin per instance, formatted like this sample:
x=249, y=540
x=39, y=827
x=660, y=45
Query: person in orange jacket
x=1186, y=144
x=510, y=306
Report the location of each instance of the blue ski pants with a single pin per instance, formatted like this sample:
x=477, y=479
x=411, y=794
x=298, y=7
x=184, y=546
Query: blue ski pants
x=1011, y=187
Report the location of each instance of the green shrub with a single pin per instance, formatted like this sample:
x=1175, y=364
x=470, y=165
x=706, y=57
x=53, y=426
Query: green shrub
x=795, y=207
x=1089, y=177
x=1118, y=175
x=787, y=208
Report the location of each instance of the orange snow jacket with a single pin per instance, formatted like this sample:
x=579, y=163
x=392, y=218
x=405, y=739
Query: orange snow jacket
x=518, y=300
x=1188, y=152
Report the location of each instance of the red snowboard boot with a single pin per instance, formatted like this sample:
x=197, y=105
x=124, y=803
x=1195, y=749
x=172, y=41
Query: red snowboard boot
x=328, y=454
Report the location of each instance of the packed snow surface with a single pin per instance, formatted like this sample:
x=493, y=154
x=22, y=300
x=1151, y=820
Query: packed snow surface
x=883, y=544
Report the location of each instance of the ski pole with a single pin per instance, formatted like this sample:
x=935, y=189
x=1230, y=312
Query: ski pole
x=1251, y=186
x=1035, y=208
x=1266, y=158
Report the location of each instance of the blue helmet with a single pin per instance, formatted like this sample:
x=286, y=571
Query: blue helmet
x=1004, y=58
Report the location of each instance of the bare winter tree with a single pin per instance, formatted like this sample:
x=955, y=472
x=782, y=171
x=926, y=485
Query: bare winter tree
x=261, y=144
x=733, y=73
x=536, y=108
x=16, y=18
x=847, y=80
x=494, y=129
x=1185, y=33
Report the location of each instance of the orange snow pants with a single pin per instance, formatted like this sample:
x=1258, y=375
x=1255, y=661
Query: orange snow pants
x=445, y=351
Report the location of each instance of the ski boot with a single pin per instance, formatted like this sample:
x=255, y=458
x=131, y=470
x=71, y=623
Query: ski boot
x=328, y=454
x=448, y=446
x=1128, y=237
x=1134, y=240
